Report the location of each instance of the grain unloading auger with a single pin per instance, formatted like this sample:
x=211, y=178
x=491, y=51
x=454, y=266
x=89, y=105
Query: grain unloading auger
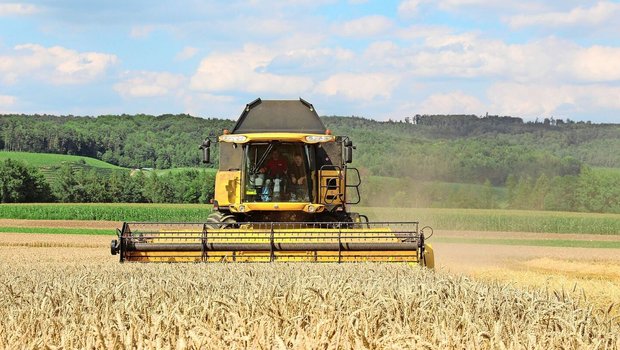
x=282, y=193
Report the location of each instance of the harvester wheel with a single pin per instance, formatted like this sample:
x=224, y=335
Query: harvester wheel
x=217, y=220
x=335, y=220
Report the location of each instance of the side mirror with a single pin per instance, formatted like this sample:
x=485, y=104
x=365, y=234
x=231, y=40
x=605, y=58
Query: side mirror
x=206, y=151
x=348, y=153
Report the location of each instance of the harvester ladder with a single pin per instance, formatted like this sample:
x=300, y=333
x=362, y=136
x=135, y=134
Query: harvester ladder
x=355, y=186
x=329, y=185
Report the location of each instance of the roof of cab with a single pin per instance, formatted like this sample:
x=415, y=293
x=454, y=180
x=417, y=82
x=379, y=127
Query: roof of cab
x=291, y=116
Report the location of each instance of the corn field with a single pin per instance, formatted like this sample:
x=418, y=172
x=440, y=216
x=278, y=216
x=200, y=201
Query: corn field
x=104, y=304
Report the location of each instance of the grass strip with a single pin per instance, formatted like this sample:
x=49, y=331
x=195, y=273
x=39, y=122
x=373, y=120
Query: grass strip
x=530, y=242
x=58, y=230
x=501, y=220
x=107, y=212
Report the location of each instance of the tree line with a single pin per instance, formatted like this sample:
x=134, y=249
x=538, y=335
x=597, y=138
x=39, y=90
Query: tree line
x=593, y=190
x=22, y=183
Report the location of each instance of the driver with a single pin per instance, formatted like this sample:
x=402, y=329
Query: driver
x=297, y=171
x=276, y=166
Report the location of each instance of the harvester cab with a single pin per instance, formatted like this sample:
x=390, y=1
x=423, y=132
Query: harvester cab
x=283, y=192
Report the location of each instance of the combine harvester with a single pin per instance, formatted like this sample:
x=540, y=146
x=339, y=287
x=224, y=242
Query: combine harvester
x=282, y=193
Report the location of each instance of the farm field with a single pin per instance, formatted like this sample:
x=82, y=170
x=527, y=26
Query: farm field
x=491, y=289
x=49, y=164
x=41, y=160
x=47, y=161
x=75, y=295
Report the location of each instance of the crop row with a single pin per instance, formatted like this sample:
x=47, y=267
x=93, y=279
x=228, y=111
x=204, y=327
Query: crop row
x=444, y=219
x=107, y=212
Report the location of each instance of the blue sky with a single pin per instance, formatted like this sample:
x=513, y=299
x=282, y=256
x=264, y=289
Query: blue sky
x=376, y=59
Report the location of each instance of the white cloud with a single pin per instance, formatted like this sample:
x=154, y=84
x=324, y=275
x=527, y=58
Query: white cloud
x=221, y=106
x=495, y=7
x=57, y=65
x=422, y=32
x=462, y=41
x=464, y=56
x=149, y=84
x=7, y=101
x=187, y=53
x=455, y=102
x=140, y=32
x=533, y=100
x=246, y=71
x=469, y=56
x=451, y=4
x=11, y=9
x=381, y=50
x=409, y=8
x=271, y=26
x=597, y=63
x=365, y=26
x=359, y=86
x=601, y=12
x=311, y=59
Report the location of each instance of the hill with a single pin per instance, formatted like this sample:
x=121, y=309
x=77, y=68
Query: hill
x=449, y=148
x=50, y=164
x=458, y=160
x=42, y=160
x=140, y=141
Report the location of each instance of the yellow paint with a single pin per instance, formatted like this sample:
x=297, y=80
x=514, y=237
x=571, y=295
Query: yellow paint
x=331, y=196
x=279, y=136
x=281, y=256
x=281, y=235
x=305, y=235
x=278, y=206
x=429, y=256
x=228, y=189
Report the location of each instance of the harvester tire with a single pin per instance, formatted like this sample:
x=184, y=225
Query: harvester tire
x=217, y=220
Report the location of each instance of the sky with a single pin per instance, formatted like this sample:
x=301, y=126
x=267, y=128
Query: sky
x=375, y=59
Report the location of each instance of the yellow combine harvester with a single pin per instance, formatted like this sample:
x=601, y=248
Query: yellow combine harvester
x=282, y=193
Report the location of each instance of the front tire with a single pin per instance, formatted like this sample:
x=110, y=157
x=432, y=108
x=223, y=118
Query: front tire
x=218, y=220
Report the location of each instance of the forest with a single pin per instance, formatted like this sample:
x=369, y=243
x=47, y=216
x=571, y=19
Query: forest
x=428, y=160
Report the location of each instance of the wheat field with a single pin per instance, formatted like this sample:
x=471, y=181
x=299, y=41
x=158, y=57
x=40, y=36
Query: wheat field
x=63, y=299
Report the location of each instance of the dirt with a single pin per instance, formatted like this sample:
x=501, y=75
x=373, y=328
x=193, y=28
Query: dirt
x=461, y=257
x=526, y=235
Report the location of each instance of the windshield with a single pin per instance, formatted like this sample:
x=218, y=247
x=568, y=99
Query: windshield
x=277, y=172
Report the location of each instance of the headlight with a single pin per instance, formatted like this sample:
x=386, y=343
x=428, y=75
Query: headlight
x=311, y=209
x=233, y=138
x=319, y=138
x=241, y=208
